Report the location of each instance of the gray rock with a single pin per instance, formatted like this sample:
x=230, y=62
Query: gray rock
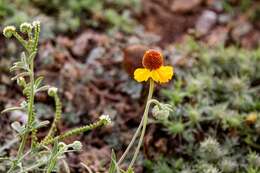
x=205, y=22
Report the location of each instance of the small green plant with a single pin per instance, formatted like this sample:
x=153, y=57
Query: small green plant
x=215, y=122
x=153, y=71
x=69, y=16
x=44, y=154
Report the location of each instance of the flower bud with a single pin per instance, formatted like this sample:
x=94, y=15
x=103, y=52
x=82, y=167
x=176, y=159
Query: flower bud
x=61, y=145
x=76, y=145
x=52, y=91
x=160, y=114
x=9, y=31
x=106, y=119
x=21, y=82
x=36, y=23
x=26, y=27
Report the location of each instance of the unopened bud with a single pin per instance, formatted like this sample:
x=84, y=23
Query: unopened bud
x=26, y=27
x=36, y=23
x=9, y=31
x=160, y=114
x=76, y=145
x=21, y=82
x=52, y=91
x=106, y=119
x=61, y=145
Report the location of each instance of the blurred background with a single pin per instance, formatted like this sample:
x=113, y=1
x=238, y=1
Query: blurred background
x=89, y=50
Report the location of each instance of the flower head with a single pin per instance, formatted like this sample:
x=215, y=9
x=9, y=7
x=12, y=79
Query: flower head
x=153, y=68
x=152, y=59
x=9, y=31
x=36, y=23
x=106, y=119
x=26, y=27
x=52, y=91
x=77, y=145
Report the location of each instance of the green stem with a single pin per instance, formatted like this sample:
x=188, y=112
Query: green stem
x=149, y=101
x=145, y=115
x=72, y=132
x=56, y=120
x=30, y=95
x=132, y=142
x=21, y=40
x=30, y=112
x=144, y=123
x=32, y=167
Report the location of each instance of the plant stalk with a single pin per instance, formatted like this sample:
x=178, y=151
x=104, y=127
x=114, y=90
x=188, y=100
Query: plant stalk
x=143, y=124
x=30, y=112
x=145, y=115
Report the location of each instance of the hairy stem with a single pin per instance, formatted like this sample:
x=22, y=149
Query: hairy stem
x=74, y=132
x=145, y=116
x=57, y=118
x=142, y=124
x=132, y=142
x=30, y=112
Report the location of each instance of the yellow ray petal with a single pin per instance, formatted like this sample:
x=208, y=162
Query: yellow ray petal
x=165, y=73
x=155, y=76
x=141, y=74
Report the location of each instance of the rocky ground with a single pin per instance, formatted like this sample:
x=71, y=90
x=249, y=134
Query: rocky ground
x=93, y=70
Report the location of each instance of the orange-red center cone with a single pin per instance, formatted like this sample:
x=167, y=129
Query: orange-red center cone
x=152, y=59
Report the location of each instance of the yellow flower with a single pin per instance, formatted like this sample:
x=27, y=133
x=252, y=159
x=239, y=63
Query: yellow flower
x=153, y=68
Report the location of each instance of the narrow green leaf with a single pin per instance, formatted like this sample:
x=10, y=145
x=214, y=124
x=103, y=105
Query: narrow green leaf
x=41, y=124
x=38, y=82
x=17, y=127
x=11, y=109
x=112, y=167
x=130, y=170
x=23, y=74
x=43, y=88
x=31, y=57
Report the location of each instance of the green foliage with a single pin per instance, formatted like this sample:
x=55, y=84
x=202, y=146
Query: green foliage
x=216, y=110
x=243, y=5
x=43, y=155
x=67, y=15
